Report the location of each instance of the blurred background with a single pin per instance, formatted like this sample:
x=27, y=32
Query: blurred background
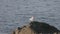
x=16, y=13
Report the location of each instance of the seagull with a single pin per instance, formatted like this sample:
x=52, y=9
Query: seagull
x=32, y=18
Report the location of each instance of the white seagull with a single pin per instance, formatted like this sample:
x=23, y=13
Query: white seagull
x=32, y=18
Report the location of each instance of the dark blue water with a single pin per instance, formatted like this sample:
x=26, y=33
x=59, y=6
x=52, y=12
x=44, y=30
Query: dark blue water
x=16, y=13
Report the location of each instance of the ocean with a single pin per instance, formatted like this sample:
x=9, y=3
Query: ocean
x=16, y=13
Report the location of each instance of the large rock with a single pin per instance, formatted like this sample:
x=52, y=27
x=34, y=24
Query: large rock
x=35, y=27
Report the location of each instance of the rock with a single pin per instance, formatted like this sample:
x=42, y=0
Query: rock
x=42, y=27
x=35, y=27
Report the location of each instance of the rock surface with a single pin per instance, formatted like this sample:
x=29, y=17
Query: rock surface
x=42, y=27
x=36, y=27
